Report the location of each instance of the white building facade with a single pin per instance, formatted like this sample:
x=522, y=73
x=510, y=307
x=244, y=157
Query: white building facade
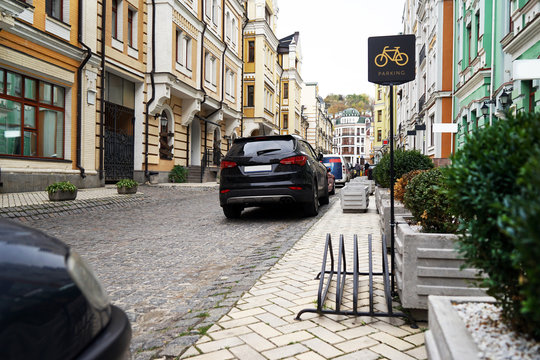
x=351, y=136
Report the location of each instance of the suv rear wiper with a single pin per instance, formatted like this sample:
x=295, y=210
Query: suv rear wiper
x=260, y=152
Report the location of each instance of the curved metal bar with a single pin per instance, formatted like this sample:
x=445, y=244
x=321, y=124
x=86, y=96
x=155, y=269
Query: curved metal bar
x=387, y=293
x=370, y=274
x=321, y=296
x=355, y=275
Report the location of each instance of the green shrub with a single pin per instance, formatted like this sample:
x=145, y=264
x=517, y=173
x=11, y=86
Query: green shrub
x=61, y=186
x=178, y=174
x=126, y=183
x=404, y=161
x=493, y=191
x=428, y=203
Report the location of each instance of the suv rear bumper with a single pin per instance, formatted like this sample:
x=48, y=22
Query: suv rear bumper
x=265, y=196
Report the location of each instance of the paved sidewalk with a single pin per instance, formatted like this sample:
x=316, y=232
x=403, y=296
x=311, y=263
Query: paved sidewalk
x=262, y=326
x=36, y=204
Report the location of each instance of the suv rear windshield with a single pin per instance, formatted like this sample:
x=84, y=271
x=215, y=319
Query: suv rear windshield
x=261, y=147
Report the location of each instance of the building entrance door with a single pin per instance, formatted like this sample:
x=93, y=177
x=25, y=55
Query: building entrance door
x=119, y=151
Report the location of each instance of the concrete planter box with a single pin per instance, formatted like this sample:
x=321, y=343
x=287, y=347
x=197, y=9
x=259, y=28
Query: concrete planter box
x=447, y=337
x=384, y=217
x=354, y=197
x=428, y=264
x=124, y=190
x=63, y=195
x=380, y=194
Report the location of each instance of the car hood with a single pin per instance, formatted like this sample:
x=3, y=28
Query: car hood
x=43, y=314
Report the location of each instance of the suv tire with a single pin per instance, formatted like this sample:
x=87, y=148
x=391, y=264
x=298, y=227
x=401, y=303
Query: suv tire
x=311, y=208
x=325, y=200
x=232, y=211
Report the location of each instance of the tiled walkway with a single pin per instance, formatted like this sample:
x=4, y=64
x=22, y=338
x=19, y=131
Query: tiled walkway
x=262, y=324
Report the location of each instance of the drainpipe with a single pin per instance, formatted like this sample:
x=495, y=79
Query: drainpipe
x=79, y=89
x=279, y=109
x=202, y=53
x=491, y=92
x=454, y=68
x=246, y=20
x=152, y=98
x=102, y=90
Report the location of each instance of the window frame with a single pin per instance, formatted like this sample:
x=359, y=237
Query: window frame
x=49, y=4
x=114, y=19
x=251, y=51
x=250, y=94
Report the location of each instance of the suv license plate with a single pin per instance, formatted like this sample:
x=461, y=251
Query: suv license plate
x=258, y=168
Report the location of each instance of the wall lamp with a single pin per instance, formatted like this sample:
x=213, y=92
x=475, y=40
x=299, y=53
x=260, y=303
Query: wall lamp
x=505, y=98
x=485, y=108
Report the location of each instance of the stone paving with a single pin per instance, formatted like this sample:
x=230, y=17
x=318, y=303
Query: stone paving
x=262, y=324
x=173, y=262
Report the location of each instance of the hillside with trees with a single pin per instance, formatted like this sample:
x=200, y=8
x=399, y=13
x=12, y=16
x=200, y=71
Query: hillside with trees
x=337, y=103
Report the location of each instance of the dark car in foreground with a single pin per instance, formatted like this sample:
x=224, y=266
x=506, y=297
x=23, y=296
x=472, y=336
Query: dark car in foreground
x=51, y=304
x=265, y=170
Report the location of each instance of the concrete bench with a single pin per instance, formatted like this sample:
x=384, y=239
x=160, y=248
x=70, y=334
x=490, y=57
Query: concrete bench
x=354, y=197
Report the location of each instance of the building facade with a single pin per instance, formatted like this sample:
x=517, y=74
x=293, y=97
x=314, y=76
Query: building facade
x=319, y=126
x=380, y=125
x=47, y=94
x=351, y=136
x=497, y=45
x=290, y=62
x=427, y=100
x=261, y=80
x=194, y=103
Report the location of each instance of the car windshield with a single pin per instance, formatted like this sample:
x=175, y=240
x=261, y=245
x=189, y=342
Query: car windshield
x=258, y=148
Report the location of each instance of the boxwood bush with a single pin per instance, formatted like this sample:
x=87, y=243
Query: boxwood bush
x=428, y=203
x=404, y=161
x=493, y=184
x=178, y=174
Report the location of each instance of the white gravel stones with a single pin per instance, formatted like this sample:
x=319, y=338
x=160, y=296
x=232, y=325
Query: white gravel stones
x=494, y=339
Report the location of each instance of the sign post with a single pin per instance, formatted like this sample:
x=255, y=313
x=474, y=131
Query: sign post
x=391, y=61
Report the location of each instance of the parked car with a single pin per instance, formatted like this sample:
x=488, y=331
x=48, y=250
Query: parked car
x=338, y=166
x=51, y=304
x=331, y=182
x=278, y=169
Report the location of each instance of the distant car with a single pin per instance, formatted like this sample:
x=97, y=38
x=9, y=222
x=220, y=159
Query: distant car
x=338, y=166
x=331, y=182
x=51, y=304
x=265, y=170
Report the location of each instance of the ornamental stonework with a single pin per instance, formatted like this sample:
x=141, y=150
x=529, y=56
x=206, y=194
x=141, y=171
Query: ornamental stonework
x=184, y=24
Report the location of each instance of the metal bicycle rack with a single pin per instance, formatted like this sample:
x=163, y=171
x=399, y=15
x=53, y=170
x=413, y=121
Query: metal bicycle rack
x=340, y=282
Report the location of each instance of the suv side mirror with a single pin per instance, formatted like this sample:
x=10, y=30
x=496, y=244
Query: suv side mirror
x=320, y=157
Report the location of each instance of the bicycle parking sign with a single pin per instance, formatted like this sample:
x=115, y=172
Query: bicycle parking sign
x=391, y=59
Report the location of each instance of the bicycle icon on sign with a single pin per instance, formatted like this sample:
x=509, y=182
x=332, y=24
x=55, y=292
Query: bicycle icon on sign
x=400, y=58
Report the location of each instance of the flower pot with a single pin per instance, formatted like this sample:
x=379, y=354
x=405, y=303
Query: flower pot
x=63, y=195
x=428, y=264
x=126, y=190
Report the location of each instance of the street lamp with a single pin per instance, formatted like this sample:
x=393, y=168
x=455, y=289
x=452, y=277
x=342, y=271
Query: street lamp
x=484, y=109
x=505, y=97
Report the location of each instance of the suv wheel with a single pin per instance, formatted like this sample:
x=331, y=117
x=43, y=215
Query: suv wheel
x=312, y=207
x=232, y=211
x=325, y=200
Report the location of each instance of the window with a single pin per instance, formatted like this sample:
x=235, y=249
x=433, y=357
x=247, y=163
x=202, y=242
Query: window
x=285, y=121
x=379, y=135
x=234, y=32
x=114, y=19
x=477, y=23
x=250, y=95
x=228, y=26
x=183, y=49
x=251, y=51
x=210, y=69
x=54, y=9
x=268, y=16
x=285, y=90
x=130, y=27
x=432, y=135
x=469, y=47
x=208, y=5
x=379, y=115
x=230, y=83
x=32, y=119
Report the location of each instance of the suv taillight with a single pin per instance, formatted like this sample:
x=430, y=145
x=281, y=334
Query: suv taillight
x=294, y=160
x=227, y=164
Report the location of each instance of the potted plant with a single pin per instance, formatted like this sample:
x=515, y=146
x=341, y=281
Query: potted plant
x=61, y=191
x=127, y=186
x=427, y=262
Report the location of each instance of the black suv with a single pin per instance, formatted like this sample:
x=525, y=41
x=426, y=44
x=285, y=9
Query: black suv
x=264, y=170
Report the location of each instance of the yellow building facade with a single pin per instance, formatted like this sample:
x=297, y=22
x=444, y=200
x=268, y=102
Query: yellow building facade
x=47, y=94
x=380, y=126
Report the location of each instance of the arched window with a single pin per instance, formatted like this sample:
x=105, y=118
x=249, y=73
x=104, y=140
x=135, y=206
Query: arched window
x=228, y=26
x=234, y=33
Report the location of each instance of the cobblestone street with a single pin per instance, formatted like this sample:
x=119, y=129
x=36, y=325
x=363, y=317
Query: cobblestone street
x=172, y=260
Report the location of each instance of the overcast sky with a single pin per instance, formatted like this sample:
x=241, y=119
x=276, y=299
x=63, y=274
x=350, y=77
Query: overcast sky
x=333, y=36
